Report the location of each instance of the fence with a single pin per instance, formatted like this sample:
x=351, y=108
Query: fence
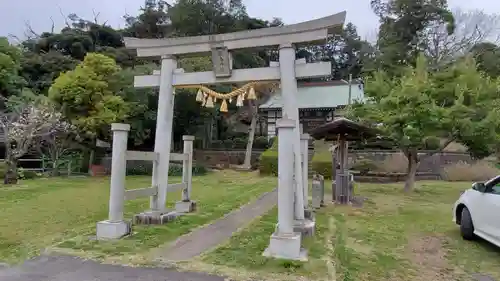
x=115, y=226
x=44, y=165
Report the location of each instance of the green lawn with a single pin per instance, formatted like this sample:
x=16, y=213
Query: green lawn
x=62, y=213
x=393, y=237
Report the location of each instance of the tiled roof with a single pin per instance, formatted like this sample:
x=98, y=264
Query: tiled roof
x=318, y=95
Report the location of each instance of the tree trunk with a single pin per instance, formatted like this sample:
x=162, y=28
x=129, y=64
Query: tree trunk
x=91, y=159
x=247, y=164
x=55, y=168
x=55, y=162
x=413, y=163
x=11, y=174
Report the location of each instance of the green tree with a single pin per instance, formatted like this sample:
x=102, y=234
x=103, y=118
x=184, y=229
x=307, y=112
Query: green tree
x=11, y=83
x=141, y=102
x=40, y=70
x=410, y=110
x=347, y=52
x=487, y=56
x=402, y=23
x=86, y=95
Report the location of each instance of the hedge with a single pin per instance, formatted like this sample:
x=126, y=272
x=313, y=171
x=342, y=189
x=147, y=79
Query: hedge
x=268, y=162
x=322, y=164
x=146, y=169
x=261, y=142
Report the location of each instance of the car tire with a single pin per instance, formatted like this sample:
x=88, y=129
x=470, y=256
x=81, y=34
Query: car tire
x=466, y=225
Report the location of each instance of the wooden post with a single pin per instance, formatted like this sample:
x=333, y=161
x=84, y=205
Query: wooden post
x=342, y=190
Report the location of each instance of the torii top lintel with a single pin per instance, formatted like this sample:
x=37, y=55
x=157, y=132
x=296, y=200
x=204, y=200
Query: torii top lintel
x=304, y=32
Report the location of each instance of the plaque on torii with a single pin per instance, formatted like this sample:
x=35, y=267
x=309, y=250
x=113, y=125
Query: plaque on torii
x=221, y=62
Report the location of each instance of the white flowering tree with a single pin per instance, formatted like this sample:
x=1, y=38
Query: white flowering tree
x=23, y=128
x=59, y=143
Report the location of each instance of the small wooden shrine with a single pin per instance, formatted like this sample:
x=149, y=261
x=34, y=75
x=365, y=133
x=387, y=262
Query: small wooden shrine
x=341, y=131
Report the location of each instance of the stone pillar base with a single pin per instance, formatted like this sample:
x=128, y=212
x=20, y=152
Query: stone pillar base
x=112, y=230
x=286, y=247
x=309, y=214
x=305, y=227
x=155, y=217
x=185, y=206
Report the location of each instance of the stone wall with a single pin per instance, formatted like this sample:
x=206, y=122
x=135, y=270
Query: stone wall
x=224, y=159
x=432, y=164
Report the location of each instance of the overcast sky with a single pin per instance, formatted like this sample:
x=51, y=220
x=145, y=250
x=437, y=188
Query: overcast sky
x=15, y=13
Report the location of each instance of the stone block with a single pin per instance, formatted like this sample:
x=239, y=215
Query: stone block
x=305, y=227
x=112, y=230
x=318, y=191
x=309, y=214
x=185, y=206
x=155, y=217
x=286, y=247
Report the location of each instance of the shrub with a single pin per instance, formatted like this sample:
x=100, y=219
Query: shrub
x=268, y=163
x=199, y=170
x=273, y=143
x=3, y=169
x=239, y=143
x=322, y=164
x=140, y=168
x=217, y=144
x=23, y=174
x=432, y=143
x=462, y=171
x=364, y=165
x=260, y=142
x=144, y=168
x=394, y=163
x=228, y=143
x=175, y=170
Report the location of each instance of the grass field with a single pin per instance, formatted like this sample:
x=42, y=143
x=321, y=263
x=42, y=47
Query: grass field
x=394, y=236
x=62, y=213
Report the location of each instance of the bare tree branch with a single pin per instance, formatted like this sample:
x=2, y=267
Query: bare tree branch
x=52, y=28
x=30, y=33
x=471, y=27
x=64, y=16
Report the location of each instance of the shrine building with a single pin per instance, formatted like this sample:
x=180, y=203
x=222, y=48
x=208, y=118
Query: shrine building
x=318, y=102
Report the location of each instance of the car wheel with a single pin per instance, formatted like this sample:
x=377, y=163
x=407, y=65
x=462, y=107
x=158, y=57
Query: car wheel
x=466, y=226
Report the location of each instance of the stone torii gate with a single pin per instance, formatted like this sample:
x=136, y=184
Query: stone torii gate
x=285, y=243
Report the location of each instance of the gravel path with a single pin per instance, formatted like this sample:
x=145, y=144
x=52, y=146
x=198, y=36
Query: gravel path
x=209, y=236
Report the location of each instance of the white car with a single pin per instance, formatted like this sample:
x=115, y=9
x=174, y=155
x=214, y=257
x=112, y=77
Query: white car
x=477, y=211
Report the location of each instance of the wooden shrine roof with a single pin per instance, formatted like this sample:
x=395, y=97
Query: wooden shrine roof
x=342, y=126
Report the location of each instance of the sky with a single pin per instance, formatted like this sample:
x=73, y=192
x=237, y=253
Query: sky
x=15, y=14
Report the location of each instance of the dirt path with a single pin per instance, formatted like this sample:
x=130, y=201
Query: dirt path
x=209, y=236
x=429, y=257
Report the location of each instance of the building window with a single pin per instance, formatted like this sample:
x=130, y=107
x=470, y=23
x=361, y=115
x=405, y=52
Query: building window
x=319, y=113
x=329, y=116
